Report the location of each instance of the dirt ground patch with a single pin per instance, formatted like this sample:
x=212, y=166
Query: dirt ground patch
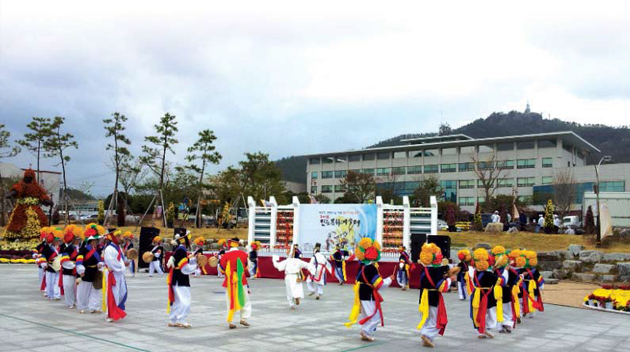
x=568, y=293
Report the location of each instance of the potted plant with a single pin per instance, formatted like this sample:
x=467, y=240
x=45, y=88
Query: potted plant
x=170, y=215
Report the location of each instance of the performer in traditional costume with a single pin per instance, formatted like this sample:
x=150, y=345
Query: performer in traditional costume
x=180, y=266
x=510, y=308
x=40, y=259
x=292, y=267
x=89, y=267
x=68, y=263
x=115, y=260
x=197, y=246
x=233, y=264
x=51, y=253
x=532, y=284
x=127, y=245
x=487, y=296
x=253, y=259
x=317, y=281
x=434, y=280
x=340, y=265
x=223, y=245
x=464, y=282
x=402, y=271
x=27, y=218
x=367, y=299
x=158, y=252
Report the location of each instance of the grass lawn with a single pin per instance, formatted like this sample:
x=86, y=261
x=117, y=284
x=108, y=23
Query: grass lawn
x=532, y=241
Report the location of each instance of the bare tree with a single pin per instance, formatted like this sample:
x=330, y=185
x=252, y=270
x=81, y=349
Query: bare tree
x=564, y=191
x=428, y=185
x=489, y=173
x=359, y=186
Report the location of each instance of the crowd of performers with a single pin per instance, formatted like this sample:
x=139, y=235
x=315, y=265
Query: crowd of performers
x=88, y=268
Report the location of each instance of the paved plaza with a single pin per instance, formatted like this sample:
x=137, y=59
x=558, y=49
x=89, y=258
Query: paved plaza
x=28, y=322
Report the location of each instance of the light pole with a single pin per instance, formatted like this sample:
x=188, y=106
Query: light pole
x=606, y=158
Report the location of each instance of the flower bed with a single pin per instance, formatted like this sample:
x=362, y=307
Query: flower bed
x=609, y=298
x=17, y=252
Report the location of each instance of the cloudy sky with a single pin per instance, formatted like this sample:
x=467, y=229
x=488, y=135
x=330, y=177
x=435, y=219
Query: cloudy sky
x=288, y=79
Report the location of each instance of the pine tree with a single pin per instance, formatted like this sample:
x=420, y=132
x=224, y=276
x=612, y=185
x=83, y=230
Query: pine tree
x=549, y=216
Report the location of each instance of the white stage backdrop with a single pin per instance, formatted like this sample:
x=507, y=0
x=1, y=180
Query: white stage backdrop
x=333, y=224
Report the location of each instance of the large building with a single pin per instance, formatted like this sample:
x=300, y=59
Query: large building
x=528, y=165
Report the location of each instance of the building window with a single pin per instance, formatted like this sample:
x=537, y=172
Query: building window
x=313, y=189
x=314, y=161
x=481, y=200
x=369, y=156
x=340, y=173
x=526, y=163
x=413, y=170
x=466, y=184
x=400, y=155
x=354, y=157
x=398, y=170
x=525, y=145
x=546, y=143
x=448, y=168
x=415, y=153
x=502, y=147
x=463, y=167
x=506, y=182
x=430, y=169
x=613, y=186
x=326, y=188
x=314, y=175
x=368, y=171
x=526, y=200
x=525, y=181
x=480, y=183
x=355, y=171
x=341, y=158
x=384, y=171
x=547, y=162
x=431, y=152
x=327, y=174
x=382, y=155
x=485, y=165
x=547, y=180
x=339, y=188
x=505, y=164
x=466, y=201
x=449, y=151
x=328, y=160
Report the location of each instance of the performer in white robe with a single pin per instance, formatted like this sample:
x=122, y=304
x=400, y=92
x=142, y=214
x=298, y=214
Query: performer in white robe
x=50, y=252
x=158, y=252
x=180, y=266
x=116, y=295
x=292, y=268
x=316, y=282
x=89, y=267
x=68, y=266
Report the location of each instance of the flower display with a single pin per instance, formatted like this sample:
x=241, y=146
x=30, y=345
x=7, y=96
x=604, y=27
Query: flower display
x=27, y=217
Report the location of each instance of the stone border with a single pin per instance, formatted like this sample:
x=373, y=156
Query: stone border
x=604, y=309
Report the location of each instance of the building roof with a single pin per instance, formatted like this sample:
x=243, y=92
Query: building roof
x=423, y=140
x=569, y=137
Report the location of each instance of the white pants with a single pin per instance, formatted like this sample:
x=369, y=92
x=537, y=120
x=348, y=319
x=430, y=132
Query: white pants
x=367, y=309
x=42, y=274
x=508, y=315
x=69, y=286
x=52, y=285
x=88, y=297
x=461, y=290
x=339, y=272
x=430, y=329
x=491, y=320
x=246, y=310
x=313, y=287
x=181, y=305
x=154, y=266
x=120, y=289
x=401, y=277
x=294, y=289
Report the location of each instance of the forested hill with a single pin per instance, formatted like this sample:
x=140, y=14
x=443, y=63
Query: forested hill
x=614, y=141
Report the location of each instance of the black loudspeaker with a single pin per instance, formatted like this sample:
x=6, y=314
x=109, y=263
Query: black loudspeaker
x=444, y=242
x=181, y=231
x=417, y=240
x=147, y=234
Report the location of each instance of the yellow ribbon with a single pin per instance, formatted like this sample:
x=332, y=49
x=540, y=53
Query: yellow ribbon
x=476, y=302
x=343, y=269
x=530, y=289
x=468, y=285
x=423, y=308
x=104, y=291
x=356, y=308
x=515, y=291
x=498, y=295
x=407, y=270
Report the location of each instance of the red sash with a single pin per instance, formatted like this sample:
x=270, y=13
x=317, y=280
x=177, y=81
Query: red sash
x=442, y=318
x=483, y=307
x=113, y=311
x=43, y=285
x=536, y=303
x=377, y=300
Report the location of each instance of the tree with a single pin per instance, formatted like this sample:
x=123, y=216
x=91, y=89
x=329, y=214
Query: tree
x=359, y=186
x=445, y=129
x=163, y=142
x=322, y=199
x=6, y=151
x=55, y=146
x=386, y=188
x=114, y=127
x=589, y=221
x=489, y=173
x=203, y=150
x=262, y=178
x=478, y=222
x=450, y=219
x=564, y=191
x=548, y=224
x=429, y=186
x=132, y=173
x=34, y=141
